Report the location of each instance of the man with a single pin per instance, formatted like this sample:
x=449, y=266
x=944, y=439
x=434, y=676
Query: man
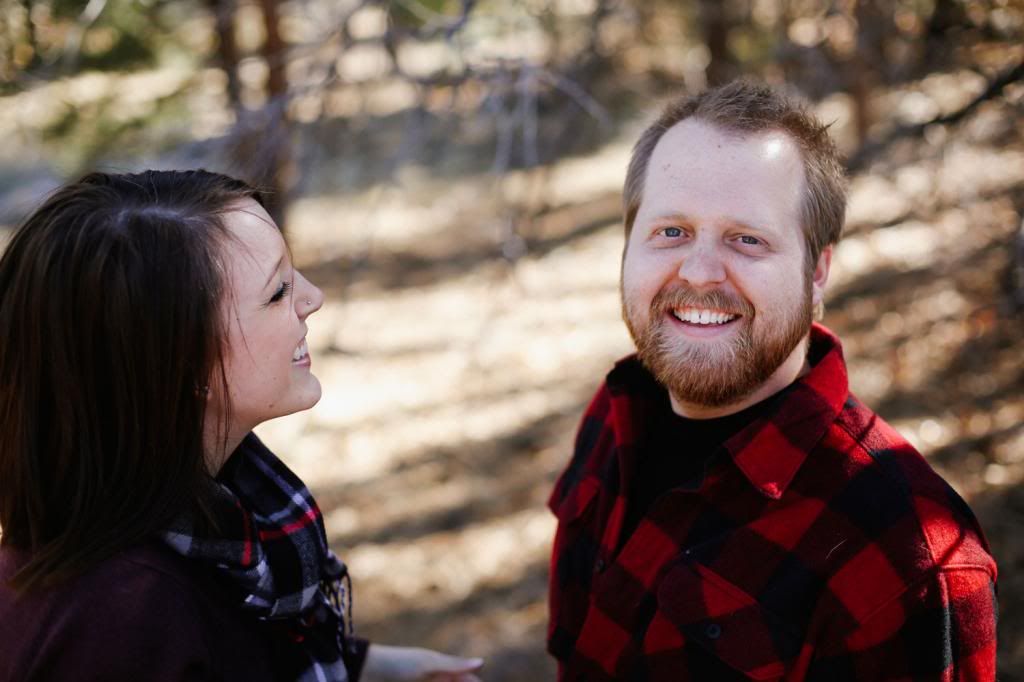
x=731, y=510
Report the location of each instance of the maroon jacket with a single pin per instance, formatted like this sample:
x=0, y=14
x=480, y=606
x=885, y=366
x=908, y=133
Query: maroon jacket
x=146, y=614
x=819, y=545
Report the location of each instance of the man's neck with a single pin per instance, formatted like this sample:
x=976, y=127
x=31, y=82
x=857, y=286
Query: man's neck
x=792, y=368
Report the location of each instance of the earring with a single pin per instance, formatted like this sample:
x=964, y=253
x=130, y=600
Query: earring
x=309, y=301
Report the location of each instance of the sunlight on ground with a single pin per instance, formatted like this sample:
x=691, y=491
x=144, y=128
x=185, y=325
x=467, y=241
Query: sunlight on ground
x=495, y=552
x=423, y=376
x=464, y=360
x=454, y=375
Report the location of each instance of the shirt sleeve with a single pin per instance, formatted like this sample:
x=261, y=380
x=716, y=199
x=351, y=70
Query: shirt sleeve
x=942, y=628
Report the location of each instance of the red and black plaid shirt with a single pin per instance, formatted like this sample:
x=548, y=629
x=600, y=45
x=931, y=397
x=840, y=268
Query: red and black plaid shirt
x=819, y=545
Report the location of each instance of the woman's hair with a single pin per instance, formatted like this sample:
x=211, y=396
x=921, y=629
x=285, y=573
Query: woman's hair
x=110, y=302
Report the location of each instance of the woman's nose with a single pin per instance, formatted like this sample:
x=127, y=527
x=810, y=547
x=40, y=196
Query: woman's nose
x=310, y=298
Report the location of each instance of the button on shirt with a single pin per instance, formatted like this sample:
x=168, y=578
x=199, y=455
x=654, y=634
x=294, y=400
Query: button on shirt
x=815, y=544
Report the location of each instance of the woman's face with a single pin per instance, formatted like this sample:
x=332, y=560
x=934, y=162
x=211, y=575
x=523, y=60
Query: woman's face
x=267, y=301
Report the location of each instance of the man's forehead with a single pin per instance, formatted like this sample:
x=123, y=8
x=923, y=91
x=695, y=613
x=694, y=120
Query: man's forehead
x=760, y=175
x=694, y=142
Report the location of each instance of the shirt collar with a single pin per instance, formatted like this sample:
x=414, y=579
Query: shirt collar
x=771, y=449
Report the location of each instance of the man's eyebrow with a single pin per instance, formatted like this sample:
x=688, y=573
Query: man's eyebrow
x=743, y=225
x=672, y=217
x=678, y=217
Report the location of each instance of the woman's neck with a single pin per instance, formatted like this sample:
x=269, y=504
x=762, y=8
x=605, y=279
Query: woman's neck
x=218, y=446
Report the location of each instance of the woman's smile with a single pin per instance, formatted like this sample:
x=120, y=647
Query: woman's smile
x=301, y=355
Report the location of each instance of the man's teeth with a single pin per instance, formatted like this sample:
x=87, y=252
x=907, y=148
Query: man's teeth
x=301, y=351
x=698, y=316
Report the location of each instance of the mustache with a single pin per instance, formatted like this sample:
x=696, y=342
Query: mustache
x=685, y=297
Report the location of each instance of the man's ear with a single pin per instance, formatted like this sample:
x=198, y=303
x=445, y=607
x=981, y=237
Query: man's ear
x=820, y=277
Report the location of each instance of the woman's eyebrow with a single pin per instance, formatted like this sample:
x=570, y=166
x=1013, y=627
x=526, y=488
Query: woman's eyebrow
x=273, y=273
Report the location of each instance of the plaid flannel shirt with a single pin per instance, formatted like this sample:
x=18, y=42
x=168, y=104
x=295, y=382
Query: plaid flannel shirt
x=819, y=545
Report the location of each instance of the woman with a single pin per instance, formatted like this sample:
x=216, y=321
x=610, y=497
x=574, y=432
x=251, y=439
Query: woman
x=150, y=322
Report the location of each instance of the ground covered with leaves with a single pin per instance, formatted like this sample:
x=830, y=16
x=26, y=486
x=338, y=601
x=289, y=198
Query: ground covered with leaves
x=457, y=356
x=472, y=311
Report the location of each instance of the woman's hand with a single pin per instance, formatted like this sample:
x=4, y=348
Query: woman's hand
x=408, y=664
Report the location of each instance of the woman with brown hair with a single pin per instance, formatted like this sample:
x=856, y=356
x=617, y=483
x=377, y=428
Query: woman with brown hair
x=150, y=322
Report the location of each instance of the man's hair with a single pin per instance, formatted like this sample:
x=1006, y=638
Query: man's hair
x=746, y=108
x=111, y=302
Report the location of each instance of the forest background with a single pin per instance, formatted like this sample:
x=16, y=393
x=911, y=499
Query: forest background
x=448, y=171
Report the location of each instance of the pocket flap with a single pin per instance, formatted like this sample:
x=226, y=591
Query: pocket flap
x=727, y=622
x=576, y=499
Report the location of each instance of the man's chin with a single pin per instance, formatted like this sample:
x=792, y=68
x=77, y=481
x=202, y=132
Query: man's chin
x=705, y=389
x=709, y=397
x=702, y=357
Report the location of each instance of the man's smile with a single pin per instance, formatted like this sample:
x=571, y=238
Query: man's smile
x=702, y=323
x=703, y=316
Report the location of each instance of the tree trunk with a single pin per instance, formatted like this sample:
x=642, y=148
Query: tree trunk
x=946, y=16
x=278, y=135
x=863, y=66
x=715, y=26
x=274, y=50
x=227, y=51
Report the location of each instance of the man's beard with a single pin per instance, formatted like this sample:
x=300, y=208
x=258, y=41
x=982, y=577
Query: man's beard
x=715, y=373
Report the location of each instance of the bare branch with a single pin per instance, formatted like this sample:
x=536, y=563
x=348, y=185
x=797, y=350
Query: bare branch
x=580, y=96
x=994, y=89
x=73, y=44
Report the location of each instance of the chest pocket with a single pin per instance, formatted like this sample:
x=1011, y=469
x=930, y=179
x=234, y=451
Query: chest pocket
x=709, y=612
x=577, y=541
x=577, y=501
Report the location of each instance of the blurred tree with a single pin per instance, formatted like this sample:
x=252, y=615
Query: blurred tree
x=351, y=91
x=542, y=76
x=867, y=61
x=277, y=135
x=226, y=56
x=946, y=16
x=716, y=22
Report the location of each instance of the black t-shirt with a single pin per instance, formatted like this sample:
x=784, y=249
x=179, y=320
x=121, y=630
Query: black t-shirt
x=676, y=452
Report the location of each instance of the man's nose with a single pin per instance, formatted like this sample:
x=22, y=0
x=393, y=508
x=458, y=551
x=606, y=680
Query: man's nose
x=702, y=266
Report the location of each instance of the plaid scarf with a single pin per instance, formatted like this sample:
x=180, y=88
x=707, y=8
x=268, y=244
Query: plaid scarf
x=271, y=546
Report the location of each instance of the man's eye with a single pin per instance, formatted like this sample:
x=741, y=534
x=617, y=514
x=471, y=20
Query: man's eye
x=750, y=241
x=672, y=232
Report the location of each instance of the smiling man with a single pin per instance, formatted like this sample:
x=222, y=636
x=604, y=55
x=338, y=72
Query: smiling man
x=731, y=511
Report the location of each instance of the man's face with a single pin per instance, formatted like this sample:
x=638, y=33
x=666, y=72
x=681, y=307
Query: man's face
x=715, y=289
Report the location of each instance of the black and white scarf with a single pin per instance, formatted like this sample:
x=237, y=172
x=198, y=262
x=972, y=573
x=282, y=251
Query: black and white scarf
x=271, y=546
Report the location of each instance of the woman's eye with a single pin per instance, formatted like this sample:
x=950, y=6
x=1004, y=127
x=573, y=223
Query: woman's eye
x=281, y=292
x=750, y=241
x=672, y=232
